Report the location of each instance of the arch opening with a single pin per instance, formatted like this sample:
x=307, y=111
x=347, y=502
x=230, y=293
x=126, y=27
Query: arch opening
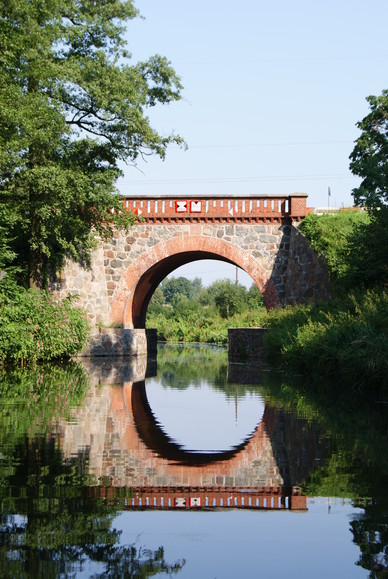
x=139, y=282
x=153, y=277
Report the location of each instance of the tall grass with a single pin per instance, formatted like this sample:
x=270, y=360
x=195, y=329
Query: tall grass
x=345, y=339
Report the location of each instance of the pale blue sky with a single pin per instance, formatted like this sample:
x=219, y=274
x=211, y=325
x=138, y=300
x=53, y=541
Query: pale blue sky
x=272, y=93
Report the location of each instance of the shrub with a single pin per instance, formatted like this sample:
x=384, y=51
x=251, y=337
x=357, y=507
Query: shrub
x=332, y=236
x=34, y=326
x=344, y=340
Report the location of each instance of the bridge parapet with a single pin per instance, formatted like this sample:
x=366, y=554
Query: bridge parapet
x=215, y=208
x=162, y=498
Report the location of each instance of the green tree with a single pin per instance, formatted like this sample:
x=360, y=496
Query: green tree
x=197, y=287
x=157, y=302
x=368, y=251
x=6, y=254
x=228, y=298
x=72, y=109
x=254, y=298
x=175, y=287
x=335, y=237
x=369, y=158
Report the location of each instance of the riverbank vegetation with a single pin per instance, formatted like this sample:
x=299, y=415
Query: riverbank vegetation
x=345, y=338
x=184, y=311
x=34, y=326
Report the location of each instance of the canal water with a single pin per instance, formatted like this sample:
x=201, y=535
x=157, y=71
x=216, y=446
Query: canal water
x=187, y=466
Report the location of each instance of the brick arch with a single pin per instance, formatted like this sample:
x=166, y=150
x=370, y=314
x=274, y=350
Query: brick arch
x=142, y=277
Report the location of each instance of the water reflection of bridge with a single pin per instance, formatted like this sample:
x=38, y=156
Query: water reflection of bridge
x=127, y=449
x=274, y=498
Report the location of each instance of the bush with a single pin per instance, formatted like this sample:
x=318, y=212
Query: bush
x=332, y=236
x=344, y=339
x=34, y=326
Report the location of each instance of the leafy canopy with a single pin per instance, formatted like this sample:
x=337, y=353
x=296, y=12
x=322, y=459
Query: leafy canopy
x=72, y=110
x=369, y=158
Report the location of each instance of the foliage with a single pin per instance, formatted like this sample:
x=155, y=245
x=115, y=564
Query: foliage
x=6, y=254
x=34, y=326
x=228, y=298
x=354, y=245
x=72, y=108
x=56, y=521
x=175, y=288
x=369, y=158
x=334, y=236
x=368, y=251
x=344, y=339
x=207, y=317
x=32, y=398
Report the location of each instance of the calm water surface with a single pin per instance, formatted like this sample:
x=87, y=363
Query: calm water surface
x=189, y=467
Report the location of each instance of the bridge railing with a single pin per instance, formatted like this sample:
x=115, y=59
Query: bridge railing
x=269, y=498
x=228, y=208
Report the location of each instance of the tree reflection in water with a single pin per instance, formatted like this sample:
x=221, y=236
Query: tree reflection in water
x=357, y=466
x=51, y=522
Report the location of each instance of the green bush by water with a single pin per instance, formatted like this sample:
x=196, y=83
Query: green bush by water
x=34, y=326
x=345, y=339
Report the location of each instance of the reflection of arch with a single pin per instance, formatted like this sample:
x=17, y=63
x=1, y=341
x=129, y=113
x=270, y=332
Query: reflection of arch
x=131, y=408
x=157, y=440
x=142, y=277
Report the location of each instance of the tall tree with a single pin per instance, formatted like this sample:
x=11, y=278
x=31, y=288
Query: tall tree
x=175, y=287
x=369, y=158
x=72, y=109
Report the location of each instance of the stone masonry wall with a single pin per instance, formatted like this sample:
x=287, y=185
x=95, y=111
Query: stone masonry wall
x=306, y=276
x=278, y=258
x=267, y=244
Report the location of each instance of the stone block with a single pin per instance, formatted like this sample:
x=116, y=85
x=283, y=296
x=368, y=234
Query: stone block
x=246, y=344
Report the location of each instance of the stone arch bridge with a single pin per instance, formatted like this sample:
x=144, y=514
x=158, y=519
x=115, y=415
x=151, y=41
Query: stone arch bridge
x=257, y=233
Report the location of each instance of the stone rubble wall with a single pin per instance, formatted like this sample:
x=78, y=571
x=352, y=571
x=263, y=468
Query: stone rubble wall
x=267, y=243
x=246, y=344
x=281, y=253
x=112, y=342
x=307, y=278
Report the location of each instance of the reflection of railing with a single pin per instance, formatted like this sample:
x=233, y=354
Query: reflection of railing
x=271, y=498
x=215, y=208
